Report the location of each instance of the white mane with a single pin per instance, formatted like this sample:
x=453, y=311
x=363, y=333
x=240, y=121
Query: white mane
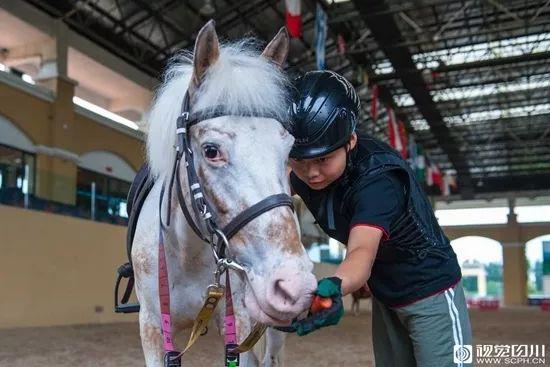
x=241, y=80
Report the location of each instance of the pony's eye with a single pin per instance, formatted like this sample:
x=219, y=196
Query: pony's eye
x=211, y=152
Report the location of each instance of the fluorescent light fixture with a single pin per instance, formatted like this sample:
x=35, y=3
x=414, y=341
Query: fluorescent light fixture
x=105, y=113
x=27, y=78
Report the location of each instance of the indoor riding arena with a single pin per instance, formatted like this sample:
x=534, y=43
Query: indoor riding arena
x=460, y=89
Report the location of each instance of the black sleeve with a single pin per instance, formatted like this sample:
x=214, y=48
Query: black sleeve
x=378, y=203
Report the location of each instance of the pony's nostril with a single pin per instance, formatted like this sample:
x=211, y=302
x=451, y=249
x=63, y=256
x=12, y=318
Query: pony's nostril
x=283, y=289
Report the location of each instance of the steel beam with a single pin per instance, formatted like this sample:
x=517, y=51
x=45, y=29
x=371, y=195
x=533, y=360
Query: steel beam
x=386, y=33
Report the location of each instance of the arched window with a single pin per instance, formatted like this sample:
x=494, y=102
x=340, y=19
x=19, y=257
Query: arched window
x=103, y=181
x=17, y=164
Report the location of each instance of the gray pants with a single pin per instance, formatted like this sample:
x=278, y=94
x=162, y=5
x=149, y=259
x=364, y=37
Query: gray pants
x=423, y=333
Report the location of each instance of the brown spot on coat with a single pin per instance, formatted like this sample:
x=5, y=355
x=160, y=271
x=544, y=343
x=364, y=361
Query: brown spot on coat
x=285, y=233
x=219, y=204
x=152, y=337
x=141, y=263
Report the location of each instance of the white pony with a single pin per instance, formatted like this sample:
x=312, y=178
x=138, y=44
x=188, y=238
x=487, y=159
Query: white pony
x=240, y=161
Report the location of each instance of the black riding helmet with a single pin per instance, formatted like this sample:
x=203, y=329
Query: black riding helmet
x=324, y=113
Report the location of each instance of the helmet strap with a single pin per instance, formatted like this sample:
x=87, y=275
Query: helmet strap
x=349, y=165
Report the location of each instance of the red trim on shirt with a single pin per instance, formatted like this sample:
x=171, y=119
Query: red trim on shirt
x=385, y=235
x=428, y=296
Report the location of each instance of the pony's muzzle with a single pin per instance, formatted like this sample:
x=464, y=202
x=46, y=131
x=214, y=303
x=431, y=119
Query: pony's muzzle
x=289, y=291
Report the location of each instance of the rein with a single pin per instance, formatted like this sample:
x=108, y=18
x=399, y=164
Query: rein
x=204, y=225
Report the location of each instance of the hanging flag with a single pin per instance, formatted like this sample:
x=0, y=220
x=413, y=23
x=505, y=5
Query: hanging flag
x=320, y=36
x=341, y=42
x=437, y=177
x=365, y=77
x=413, y=152
x=360, y=76
x=446, y=184
x=429, y=175
x=420, y=165
x=293, y=17
x=404, y=139
x=451, y=182
x=433, y=174
x=393, y=131
x=374, y=106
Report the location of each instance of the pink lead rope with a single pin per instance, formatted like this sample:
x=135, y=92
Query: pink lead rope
x=231, y=359
x=172, y=357
x=164, y=296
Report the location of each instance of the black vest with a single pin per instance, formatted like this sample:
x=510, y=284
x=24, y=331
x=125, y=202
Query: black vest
x=417, y=260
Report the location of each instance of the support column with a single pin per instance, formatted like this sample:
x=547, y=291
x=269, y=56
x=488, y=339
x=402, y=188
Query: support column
x=55, y=60
x=56, y=165
x=56, y=171
x=514, y=275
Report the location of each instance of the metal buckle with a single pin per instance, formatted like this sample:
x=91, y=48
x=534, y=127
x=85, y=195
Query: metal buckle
x=185, y=116
x=222, y=265
x=231, y=359
x=172, y=359
x=230, y=264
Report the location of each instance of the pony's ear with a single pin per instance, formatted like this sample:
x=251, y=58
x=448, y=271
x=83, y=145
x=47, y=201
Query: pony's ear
x=277, y=49
x=207, y=52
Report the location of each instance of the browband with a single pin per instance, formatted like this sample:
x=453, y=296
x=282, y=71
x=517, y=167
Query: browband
x=223, y=111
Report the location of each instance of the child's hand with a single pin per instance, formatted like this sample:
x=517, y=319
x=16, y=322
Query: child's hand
x=327, y=307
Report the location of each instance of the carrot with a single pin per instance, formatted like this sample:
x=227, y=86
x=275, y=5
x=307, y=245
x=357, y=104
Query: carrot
x=319, y=304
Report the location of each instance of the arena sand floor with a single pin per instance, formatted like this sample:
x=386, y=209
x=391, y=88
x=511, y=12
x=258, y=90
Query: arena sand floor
x=348, y=344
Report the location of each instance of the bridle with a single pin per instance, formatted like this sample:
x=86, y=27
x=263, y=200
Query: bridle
x=205, y=227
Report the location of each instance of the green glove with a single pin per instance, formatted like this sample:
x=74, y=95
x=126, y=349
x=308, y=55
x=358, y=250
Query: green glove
x=326, y=288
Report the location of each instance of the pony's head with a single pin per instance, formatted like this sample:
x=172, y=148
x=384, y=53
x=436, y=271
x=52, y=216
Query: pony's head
x=240, y=159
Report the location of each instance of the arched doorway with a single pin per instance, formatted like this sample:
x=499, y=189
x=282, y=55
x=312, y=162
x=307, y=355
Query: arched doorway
x=481, y=260
x=537, y=256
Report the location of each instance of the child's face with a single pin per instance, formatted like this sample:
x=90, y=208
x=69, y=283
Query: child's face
x=320, y=172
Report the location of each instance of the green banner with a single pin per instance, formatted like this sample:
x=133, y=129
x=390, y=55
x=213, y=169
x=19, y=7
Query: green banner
x=545, y=258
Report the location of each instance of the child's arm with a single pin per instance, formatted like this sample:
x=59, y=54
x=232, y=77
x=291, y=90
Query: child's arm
x=361, y=251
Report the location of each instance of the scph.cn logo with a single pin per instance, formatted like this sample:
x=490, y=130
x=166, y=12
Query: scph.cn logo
x=462, y=354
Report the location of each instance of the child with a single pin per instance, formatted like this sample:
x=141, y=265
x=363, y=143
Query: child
x=362, y=193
